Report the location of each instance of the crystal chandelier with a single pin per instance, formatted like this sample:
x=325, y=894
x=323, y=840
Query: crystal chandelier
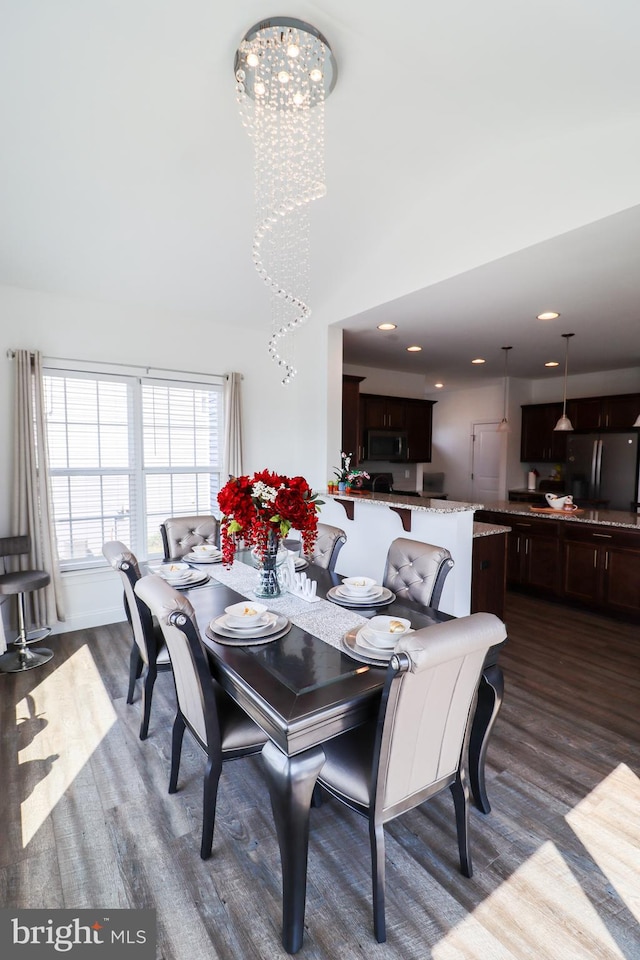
x=284, y=70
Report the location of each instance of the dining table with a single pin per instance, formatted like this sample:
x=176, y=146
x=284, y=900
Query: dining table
x=305, y=687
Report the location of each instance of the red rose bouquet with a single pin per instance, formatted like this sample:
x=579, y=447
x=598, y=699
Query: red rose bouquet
x=263, y=506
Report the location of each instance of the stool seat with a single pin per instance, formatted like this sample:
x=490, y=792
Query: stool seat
x=23, y=581
x=18, y=583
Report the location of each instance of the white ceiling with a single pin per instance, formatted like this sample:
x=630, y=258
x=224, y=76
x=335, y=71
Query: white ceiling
x=460, y=139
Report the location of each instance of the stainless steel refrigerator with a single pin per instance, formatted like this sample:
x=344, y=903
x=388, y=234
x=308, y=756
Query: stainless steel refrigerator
x=603, y=467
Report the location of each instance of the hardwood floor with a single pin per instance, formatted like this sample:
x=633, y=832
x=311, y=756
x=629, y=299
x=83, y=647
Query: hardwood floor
x=87, y=820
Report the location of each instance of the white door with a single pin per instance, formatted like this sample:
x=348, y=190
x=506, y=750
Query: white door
x=485, y=462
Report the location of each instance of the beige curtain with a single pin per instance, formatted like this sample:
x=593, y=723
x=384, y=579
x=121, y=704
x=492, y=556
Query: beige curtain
x=32, y=513
x=232, y=464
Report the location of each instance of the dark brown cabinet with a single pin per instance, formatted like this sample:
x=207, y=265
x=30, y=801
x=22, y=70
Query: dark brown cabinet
x=418, y=419
x=594, y=565
x=539, y=442
x=533, y=554
x=604, y=413
x=409, y=415
x=351, y=416
x=602, y=569
x=488, y=572
x=383, y=413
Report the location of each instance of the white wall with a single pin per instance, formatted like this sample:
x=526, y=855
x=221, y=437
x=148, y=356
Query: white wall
x=389, y=383
x=587, y=385
x=453, y=417
x=286, y=428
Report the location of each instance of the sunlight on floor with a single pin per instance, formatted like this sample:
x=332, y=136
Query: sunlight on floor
x=61, y=722
x=540, y=911
x=607, y=822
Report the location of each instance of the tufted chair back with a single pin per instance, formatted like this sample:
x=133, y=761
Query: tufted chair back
x=181, y=534
x=328, y=545
x=417, y=571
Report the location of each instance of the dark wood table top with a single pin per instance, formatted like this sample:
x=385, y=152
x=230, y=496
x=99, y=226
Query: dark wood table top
x=300, y=689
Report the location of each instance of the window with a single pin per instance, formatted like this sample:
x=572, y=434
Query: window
x=125, y=453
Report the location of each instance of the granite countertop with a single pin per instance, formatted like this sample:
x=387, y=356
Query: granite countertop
x=424, y=504
x=481, y=529
x=612, y=518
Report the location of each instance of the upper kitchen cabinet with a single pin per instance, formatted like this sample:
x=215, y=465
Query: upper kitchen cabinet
x=351, y=417
x=616, y=412
x=383, y=413
x=419, y=416
x=539, y=442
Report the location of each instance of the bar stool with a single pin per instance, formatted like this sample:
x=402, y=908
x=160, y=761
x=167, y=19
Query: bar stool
x=18, y=584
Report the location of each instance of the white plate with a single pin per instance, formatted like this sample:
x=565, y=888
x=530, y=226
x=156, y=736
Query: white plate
x=300, y=563
x=235, y=640
x=196, y=579
x=376, y=658
x=230, y=623
x=203, y=558
x=275, y=623
x=365, y=642
x=386, y=597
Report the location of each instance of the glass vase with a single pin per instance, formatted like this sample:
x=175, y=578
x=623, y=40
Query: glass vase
x=268, y=585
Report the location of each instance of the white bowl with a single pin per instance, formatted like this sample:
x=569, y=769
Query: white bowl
x=386, y=631
x=206, y=549
x=175, y=571
x=359, y=586
x=246, y=614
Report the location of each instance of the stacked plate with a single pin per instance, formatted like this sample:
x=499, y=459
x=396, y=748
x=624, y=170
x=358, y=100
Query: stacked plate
x=360, y=592
x=248, y=623
x=375, y=642
x=181, y=575
x=205, y=553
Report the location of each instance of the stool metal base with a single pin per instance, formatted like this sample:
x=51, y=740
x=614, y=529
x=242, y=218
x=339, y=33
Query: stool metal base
x=33, y=636
x=17, y=661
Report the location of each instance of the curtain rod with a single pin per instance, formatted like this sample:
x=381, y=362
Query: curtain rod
x=132, y=366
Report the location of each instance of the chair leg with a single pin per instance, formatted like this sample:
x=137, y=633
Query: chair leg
x=135, y=669
x=460, y=793
x=176, y=750
x=376, y=839
x=209, y=799
x=23, y=657
x=147, y=692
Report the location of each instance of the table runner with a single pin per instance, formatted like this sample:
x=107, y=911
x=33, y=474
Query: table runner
x=323, y=619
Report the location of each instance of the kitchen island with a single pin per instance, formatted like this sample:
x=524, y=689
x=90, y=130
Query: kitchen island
x=589, y=558
x=372, y=520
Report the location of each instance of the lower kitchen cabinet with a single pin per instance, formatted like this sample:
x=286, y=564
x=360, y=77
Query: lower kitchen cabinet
x=594, y=565
x=533, y=554
x=602, y=569
x=488, y=568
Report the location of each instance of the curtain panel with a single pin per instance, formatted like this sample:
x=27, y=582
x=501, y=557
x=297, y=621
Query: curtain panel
x=31, y=504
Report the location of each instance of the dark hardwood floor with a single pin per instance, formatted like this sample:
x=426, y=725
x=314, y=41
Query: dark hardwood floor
x=87, y=820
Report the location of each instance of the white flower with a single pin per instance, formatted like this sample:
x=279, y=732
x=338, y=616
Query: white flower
x=260, y=491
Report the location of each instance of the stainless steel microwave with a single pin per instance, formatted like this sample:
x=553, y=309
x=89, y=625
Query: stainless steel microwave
x=386, y=445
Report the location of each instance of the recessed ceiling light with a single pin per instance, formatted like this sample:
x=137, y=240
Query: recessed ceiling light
x=549, y=315
x=438, y=385
x=387, y=326
x=552, y=363
x=414, y=349
x=478, y=360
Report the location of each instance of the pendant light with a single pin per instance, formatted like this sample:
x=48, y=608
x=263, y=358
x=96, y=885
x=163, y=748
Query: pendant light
x=564, y=423
x=503, y=426
x=637, y=421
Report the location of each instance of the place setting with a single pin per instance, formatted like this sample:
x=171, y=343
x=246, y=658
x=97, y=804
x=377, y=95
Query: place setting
x=374, y=642
x=181, y=576
x=248, y=624
x=205, y=553
x=360, y=592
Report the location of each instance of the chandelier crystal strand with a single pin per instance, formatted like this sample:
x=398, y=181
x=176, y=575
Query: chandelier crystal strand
x=281, y=83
